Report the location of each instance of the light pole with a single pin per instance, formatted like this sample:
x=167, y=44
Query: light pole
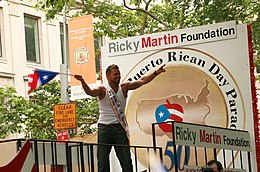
x=64, y=67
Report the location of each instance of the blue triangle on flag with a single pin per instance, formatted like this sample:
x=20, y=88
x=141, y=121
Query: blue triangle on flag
x=45, y=76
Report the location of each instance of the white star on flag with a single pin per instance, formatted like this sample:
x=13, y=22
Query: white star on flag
x=161, y=114
x=45, y=77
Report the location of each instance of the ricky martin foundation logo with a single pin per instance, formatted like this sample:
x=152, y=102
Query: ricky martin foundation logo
x=196, y=88
x=81, y=55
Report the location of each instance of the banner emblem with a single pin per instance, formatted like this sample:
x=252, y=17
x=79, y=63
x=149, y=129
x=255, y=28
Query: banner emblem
x=81, y=55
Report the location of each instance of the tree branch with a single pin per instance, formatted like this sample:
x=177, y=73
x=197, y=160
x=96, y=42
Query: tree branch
x=182, y=16
x=243, y=8
x=145, y=17
x=110, y=27
x=146, y=12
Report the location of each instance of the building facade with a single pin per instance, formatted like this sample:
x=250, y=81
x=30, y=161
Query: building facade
x=27, y=42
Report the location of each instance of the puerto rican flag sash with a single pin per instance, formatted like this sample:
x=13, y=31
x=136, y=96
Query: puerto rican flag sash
x=117, y=107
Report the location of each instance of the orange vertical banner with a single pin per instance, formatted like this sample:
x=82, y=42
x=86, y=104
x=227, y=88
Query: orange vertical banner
x=82, y=53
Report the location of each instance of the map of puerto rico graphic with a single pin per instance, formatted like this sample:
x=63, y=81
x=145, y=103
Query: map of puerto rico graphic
x=183, y=108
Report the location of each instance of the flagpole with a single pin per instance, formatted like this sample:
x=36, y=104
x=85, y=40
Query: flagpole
x=67, y=74
x=65, y=36
x=64, y=67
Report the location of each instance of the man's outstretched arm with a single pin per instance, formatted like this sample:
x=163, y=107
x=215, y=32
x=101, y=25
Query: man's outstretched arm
x=144, y=80
x=96, y=92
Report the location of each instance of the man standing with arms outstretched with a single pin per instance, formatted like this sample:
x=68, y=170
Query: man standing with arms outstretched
x=112, y=125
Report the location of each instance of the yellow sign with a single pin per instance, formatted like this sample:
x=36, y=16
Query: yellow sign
x=64, y=116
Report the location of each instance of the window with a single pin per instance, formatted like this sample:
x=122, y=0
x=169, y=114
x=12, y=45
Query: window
x=32, y=39
x=62, y=43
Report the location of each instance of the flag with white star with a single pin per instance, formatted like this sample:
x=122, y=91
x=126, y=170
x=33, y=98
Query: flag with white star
x=39, y=78
x=168, y=112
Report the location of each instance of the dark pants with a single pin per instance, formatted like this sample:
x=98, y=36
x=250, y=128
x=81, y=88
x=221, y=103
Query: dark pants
x=113, y=134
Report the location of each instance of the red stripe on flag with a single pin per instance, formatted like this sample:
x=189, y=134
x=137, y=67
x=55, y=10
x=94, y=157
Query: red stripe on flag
x=33, y=83
x=177, y=107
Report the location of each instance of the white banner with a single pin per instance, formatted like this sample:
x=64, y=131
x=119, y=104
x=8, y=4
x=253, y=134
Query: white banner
x=176, y=38
x=207, y=82
x=211, y=137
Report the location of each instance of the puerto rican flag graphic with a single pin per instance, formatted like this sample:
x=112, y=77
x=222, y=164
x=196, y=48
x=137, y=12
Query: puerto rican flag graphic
x=23, y=162
x=39, y=78
x=168, y=112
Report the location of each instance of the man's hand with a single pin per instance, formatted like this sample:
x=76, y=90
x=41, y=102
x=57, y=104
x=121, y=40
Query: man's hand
x=98, y=91
x=78, y=77
x=160, y=70
x=142, y=81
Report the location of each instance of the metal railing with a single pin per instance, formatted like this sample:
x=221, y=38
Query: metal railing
x=87, y=160
x=236, y=159
x=49, y=155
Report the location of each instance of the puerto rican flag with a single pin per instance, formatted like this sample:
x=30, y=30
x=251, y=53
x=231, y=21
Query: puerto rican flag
x=168, y=112
x=39, y=78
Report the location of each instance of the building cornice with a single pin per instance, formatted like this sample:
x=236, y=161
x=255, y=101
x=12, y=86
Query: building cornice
x=7, y=74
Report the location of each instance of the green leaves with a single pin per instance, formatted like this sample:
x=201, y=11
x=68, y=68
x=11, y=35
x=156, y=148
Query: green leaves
x=11, y=108
x=150, y=16
x=87, y=114
x=34, y=117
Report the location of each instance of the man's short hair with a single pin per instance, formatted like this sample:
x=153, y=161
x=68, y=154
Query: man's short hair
x=110, y=67
x=219, y=165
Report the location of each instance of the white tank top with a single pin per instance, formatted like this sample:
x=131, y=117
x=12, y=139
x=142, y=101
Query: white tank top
x=106, y=113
